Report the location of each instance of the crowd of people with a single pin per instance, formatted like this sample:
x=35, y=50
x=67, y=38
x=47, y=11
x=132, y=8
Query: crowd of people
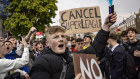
x=51, y=58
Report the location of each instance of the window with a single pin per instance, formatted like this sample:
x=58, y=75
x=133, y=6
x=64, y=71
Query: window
x=129, y=24
x=132, y=22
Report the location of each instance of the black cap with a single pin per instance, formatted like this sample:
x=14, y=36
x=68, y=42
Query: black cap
x=87, y=35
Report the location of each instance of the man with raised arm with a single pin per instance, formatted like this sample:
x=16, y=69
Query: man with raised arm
x=7, y=65
x=50, y=66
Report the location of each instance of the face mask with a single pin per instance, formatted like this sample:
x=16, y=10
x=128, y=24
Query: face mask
x=73, y=46
x=69, y=44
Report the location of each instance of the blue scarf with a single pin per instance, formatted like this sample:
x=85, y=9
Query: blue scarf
x=12, y=56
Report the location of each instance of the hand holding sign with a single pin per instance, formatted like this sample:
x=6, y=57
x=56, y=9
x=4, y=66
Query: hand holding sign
x=79, y=76
x=86, y=64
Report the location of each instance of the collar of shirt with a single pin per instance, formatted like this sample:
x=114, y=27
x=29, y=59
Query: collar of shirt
x=38, y=52
x=114, y=47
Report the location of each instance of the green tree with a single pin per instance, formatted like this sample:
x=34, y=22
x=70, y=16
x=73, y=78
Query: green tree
x=25, y=14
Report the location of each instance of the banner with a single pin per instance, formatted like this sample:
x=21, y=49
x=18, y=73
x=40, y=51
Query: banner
x=86, y=64
x=39, y=34
x=81, y=20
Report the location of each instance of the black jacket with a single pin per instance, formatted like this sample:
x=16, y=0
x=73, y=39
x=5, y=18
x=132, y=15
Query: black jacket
x=105, y=58
x=117, y=63
x=49, y=66
x=131, y=48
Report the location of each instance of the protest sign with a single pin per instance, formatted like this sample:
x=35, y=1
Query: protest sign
x=39, y=34
x=81, y=20
x=86, y=64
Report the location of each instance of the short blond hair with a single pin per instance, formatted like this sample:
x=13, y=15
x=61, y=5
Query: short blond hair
x=53, y=30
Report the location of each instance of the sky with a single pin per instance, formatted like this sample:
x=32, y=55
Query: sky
x=124, y=8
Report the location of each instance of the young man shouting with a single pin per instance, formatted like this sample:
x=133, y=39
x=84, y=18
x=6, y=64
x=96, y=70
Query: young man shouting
x=50, y=66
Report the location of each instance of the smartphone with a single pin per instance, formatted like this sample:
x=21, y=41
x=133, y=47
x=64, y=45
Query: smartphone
x=111, y=10
x=20, y=38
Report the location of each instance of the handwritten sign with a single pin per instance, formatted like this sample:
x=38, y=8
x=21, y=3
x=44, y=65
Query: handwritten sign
x=81, y=20
x=86, y=65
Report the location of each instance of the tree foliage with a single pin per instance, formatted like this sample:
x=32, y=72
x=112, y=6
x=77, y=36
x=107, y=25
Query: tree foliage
x=25, y=14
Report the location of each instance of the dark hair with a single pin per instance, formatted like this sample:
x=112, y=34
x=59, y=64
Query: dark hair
x=79, y=40
x=113, y=36
x=87, y=35
x=44, y=41
x=9, y=33
x=131, y=29
x=72, y=39
x=10, y=38
x=38, y=42
x=123, y=34
x=7, y=41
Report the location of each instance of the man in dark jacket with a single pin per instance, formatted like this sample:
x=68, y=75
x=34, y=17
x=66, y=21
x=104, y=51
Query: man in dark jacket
x=104, y=62
x=133, y=49
x=118, y=59
x=50, y=66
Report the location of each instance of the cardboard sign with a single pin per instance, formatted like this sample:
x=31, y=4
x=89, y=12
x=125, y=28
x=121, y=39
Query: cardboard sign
x=81, y=20
x=86, y=65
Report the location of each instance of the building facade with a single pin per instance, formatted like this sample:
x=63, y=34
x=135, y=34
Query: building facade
x=133, y=21
x=138, y=22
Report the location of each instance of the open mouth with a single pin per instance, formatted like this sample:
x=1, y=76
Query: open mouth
x=131, y=36
x=61, y=45
x=41, y=47
x=7, y=48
